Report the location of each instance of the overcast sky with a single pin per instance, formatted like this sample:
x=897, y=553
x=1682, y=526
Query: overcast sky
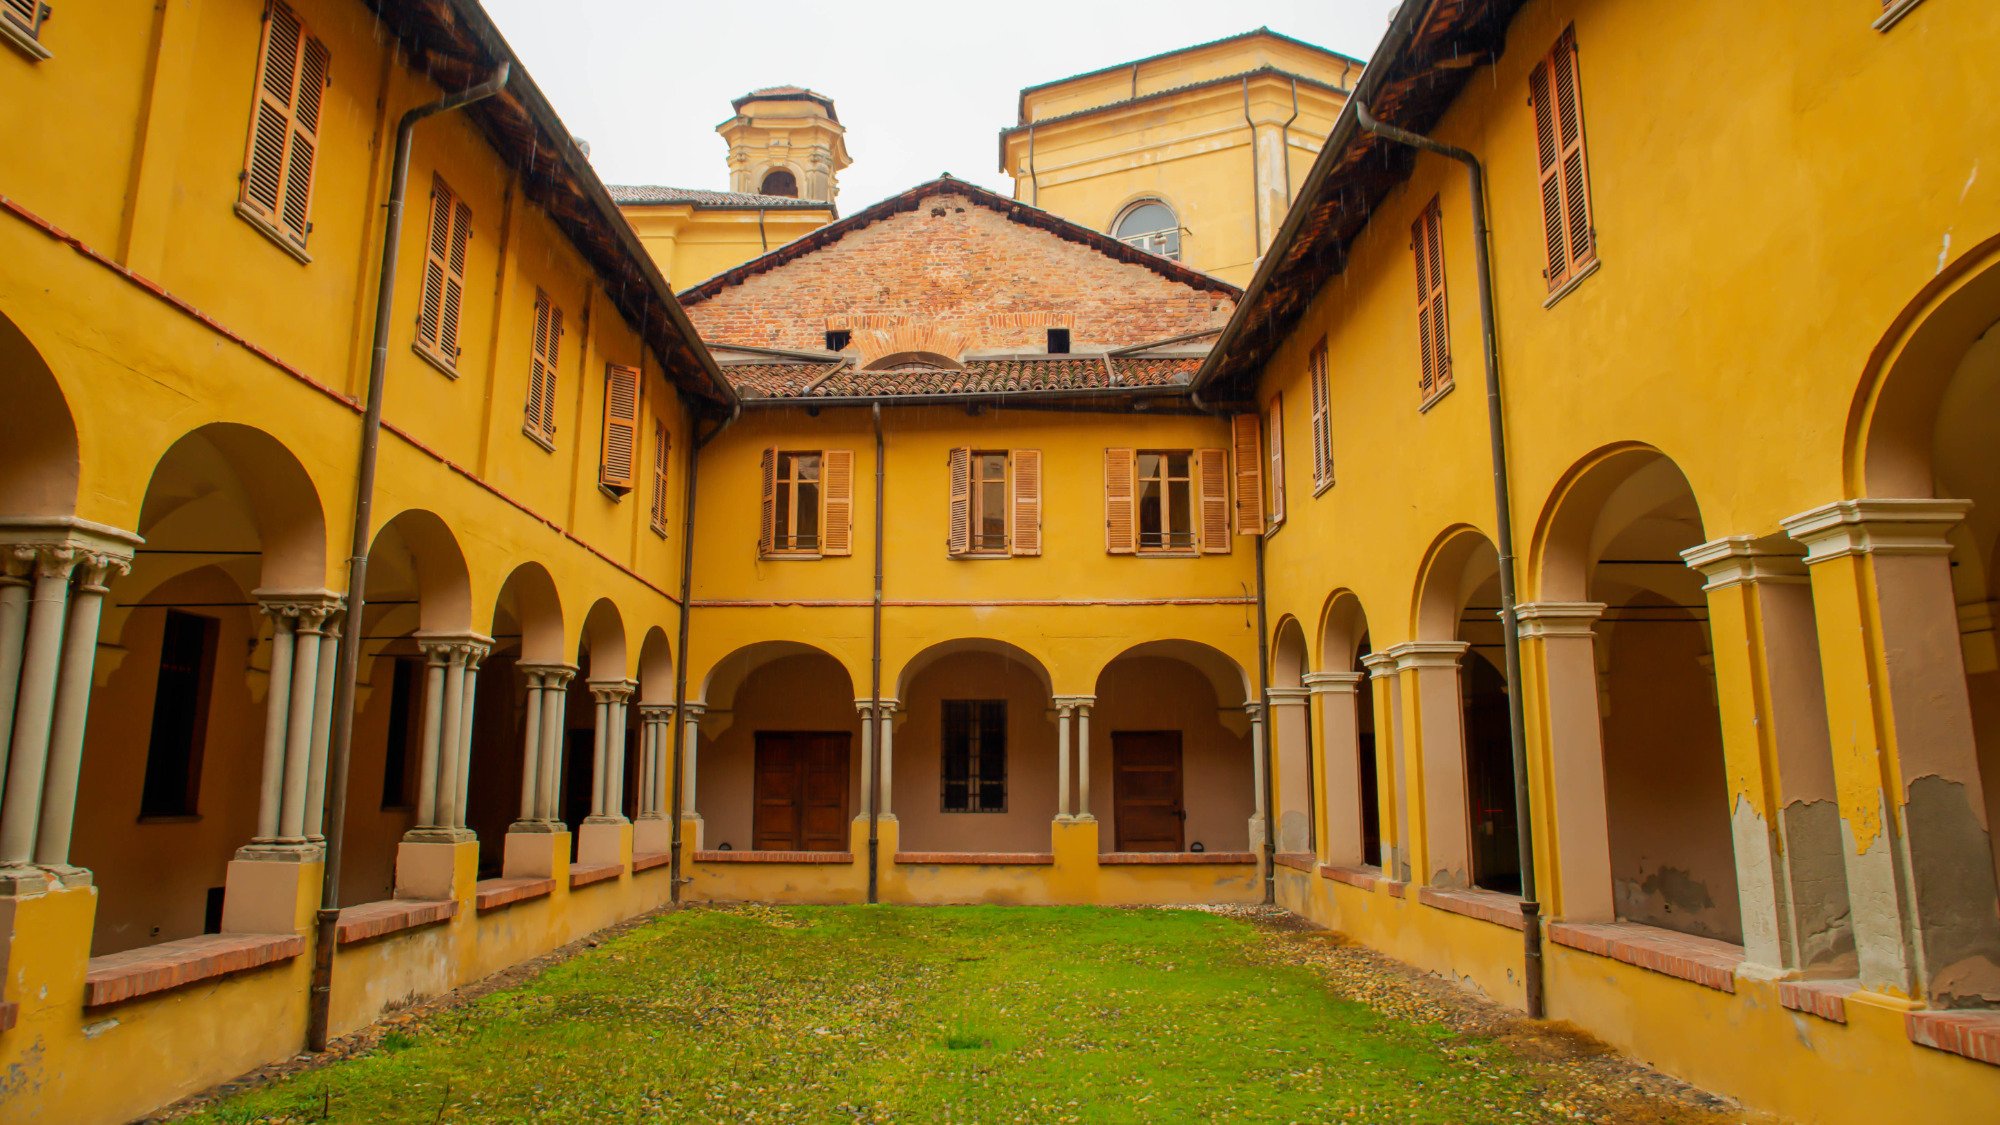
x=923, y=88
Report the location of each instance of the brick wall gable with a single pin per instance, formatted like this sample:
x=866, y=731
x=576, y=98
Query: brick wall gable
x=957, y=266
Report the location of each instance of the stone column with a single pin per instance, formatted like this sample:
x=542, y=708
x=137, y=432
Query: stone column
x=608, y=786
x=1291, y=746
x=1065, y=709
x=886, y=715
x=1256, y=713
x=531, y=746
x=1437, y=707
x=1783, y=812
x=436, y=656
x=277, y=715
x=654, y=832
x=454, y=658
x=298, y=723
x=1340, y=747
x=1083, y=705
x=866, y=709
x=322, y=727
x=475, y=657
x=691, y=714
x=555, y=711
x=1912, y=819
x=1558, y=651
x=15, y=580
x=86, y=606
x=1391, y=772
x=300, y=623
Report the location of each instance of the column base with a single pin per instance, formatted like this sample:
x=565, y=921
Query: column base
x=605, y=820
x=281, y=851
x=606, y=840
x=277, y=894
x=537, y=854
x=433, y=871
x=543, y=827
x=26, y=881
x=434, y=834
x=692, y=831
x=652, y=834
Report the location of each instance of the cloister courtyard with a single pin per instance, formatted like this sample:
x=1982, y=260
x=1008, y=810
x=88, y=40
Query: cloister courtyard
x=883, y=1013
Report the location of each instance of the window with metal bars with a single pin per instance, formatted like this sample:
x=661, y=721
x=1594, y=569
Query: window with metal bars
x=974, y=755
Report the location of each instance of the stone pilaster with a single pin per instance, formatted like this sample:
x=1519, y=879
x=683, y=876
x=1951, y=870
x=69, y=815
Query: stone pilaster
x=1340, y=750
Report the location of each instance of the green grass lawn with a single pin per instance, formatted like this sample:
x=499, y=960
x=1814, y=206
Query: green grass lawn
x=917, y=1014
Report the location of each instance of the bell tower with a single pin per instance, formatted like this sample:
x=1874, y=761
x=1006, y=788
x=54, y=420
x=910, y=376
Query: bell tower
x=785, y=140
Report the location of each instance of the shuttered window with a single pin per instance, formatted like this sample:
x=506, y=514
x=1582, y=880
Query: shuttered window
x=1569, y=240
x=539, y=422
x=808, y=503
x=25, y=14
x=1433, y=336
x=1322, y=412
x=996, y=503
x=616, y=467
x=1245, y=433
x=1274, y=444
x=661, y=446
x=292, y=75
x=1166, y=501
x=1212, y=497
x=444, y=276
x=1121, y=533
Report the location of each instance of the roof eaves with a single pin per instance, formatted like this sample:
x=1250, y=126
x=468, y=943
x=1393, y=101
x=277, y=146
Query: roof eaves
x=1241, y=35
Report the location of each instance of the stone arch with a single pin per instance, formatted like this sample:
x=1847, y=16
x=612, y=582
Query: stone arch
x=604, y=641
x=1353, y=792
x=1343, y=632
x=226, y=490
x=1230, y=680
x=923, y=343
x=529, y=608
x=975, y=732
x=656, y=667
x=1290, y=724
x=1176, y=705
x=997, y=649
x=416, y=556
x=38, y=476
x=1460, y=561
x=795, y=703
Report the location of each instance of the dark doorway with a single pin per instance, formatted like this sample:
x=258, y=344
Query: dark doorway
x=801, y=792
x=1489, y=778
x=1146, y=790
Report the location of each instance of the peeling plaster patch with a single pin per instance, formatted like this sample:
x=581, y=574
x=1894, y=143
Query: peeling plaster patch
x=1957, y=904
x=1670, y=897
x=1294, y=832
x=93, y=1030
x=1818, y=874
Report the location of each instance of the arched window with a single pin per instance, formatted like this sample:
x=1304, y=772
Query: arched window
x=1152, y=226
x=779, y=181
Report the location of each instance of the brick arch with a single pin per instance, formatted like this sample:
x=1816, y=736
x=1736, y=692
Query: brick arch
x=873, y=344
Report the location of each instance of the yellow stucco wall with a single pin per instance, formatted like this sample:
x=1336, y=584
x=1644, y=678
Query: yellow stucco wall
x=692, y=244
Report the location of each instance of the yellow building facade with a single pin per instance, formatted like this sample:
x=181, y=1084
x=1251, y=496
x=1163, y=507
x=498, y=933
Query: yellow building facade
x=1194, y=153
x=1043, y=567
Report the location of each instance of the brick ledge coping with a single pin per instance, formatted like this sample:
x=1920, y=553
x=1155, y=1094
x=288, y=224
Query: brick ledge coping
x=976, y=859
x=1140, y=859
x=584, y=874
x=646, y=861
x=378, y=919
x=1971, y=1034
x=1704, y=961
x=1826, y=999
x=1487, y=906
x=492, y=894
x=774, y=857
x=133, y=973
x=1297, y=861
x=1367, y=878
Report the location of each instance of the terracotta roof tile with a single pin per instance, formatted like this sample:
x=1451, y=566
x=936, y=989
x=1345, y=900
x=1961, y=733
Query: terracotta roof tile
x=643, y=194
x=790, y=379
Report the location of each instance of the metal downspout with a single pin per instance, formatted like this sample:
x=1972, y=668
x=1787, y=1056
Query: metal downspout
x=320, y=999
x=1256, y=200
x=1285, y=141
x=680, y=652
x=1034, y=175
x=875, y=675
x=1270, y=731
x=1510, y=624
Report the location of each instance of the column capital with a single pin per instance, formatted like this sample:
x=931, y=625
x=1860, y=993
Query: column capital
x=656, y=711
x=309, y=609
x=1737, y=559
x=1255, y=710
x=1427, y=654
x=553, y=675
x=1876, y=527
x=693, y=709
x=612, y=691
x=1329, y=683
x=443, y=647
x=57, y=545
x=1380, y=664
x=1558, y=619
x=1071, y=702
x=1288, y=696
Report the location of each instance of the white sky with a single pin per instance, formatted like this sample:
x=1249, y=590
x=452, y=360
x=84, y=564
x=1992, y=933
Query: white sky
x=923, y=88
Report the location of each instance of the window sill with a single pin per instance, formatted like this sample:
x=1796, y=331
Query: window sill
x=583, y=875
x=492, y=894
x=657, y=530
x=1704, y=961
x=1166, y=554
x=263, y=226
x=1568, y=286
x=615, y=495
x=774, y=857
x=646, y=861
x=393, y=916
x=117, y=977
x=1174, y=859
x=1297, y=861
x=435, y=360
x=1320, y=488
x=791, y=556
x=1487, y=906
x=980, y=556
x=1893, y=14
x=976, y=859
x=22, y=39
x=1425, y=406
x=1366, y=878
x=1969, y=1034
x=548, y=444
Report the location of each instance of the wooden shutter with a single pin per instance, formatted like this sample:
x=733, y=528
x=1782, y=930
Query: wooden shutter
x=540, y=415
x=27, y=13
x=1433, y=336
x=430, y=314
x=661, y=445
x=1026, y=534
x=1567, y=234
x=454, y=281
x=836, y=490
x=1244, y=432
x=621, y=427
x=1322, y=415
x=1211, y=471
x=292, y=71
x=959, y=538
x=1274, y=437
x=1121, y=529
x=767, y=531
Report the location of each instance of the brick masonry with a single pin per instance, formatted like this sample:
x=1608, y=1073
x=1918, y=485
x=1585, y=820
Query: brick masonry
x=375, y=919
x=646, y=861
x=155, y=968
x=1826, y=999
x=1041, y=859
x=491, y=894
x=1116, y=859
x=1487, y=906
x=584, y=874
x=1974, y=1035
x=1705, y=961
x=774, y=857
x=961, y=270
x=1297, y=861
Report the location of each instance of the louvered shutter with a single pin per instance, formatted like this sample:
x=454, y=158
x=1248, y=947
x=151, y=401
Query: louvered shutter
x=959, y=538
x=1026, y=535
x=539, y=375
x=767, y=531
x=454, y=283
x=1322, y=412
x=1211, y=470
x=292, y=69
x=549, y=369
x=436, y=252
x=1121, y=530
x=836, y=483
x=621, y=427
x=1575, y=166
x=660, y=447
x=304, y=147
x=1427, y=244
x=1249, y=475
x=27, y=13
x=1274, y=437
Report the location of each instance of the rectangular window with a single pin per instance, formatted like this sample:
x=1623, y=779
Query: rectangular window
x=1322, y=411
x=989, y=503
x=796, y=518
x=1274, y=445
x=180, y=715
x=399, y=770
x=444, y=277
x=539, y=422
x=837, y=339
x=975, y=755
x=1166, y=500
x=660, y=450
x=1433, y=335
x=1058, y=341
x=292, y=76
x=1567, y=234
x=616, y=468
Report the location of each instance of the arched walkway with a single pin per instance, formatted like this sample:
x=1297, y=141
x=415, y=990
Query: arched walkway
x=38, y=475
x=780, y=764
x=1355, y=790
x=973, y=753
x=1172, y=752
x=1291, y=739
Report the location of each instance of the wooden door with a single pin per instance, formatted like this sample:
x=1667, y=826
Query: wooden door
x=1146, y=790
x=801, y=792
